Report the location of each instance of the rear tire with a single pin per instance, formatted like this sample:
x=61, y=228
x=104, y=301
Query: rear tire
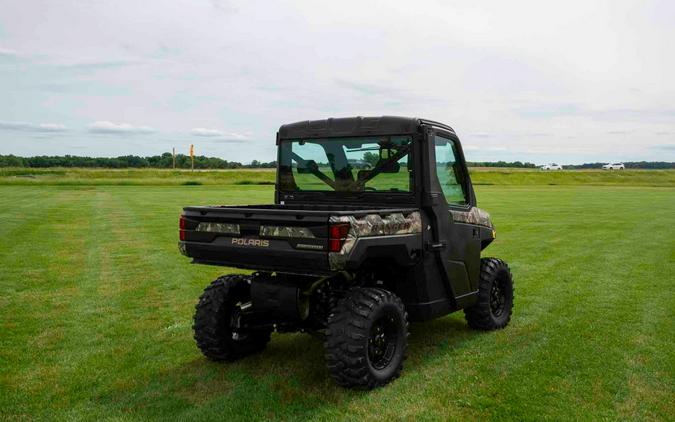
x=495, y=296
x=366, y=339
x=213, y=326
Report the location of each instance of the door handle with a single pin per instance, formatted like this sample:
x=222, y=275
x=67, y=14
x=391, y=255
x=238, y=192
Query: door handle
x=436, y=246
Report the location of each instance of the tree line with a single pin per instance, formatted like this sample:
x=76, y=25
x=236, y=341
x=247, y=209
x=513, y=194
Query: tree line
x=650, y=165
x=164, y=161
x=514, y=164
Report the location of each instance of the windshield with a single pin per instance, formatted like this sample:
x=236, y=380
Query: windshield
x=356, y=164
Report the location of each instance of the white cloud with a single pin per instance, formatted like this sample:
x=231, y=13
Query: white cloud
x=471, y=147
x=103, y=126
x=8, y=52
x=52, y=127
x=199, y=131
x=30, y=127
x=215, y=133
x=480, y=135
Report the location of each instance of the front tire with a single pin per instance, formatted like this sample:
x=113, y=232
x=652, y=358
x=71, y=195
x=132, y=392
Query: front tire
x=366, y=339
x=214, y=322
x=495, y=296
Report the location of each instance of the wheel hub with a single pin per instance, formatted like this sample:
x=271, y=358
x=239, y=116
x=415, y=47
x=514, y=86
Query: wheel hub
x=497, y=299
x=382, y=341
x=235, y=324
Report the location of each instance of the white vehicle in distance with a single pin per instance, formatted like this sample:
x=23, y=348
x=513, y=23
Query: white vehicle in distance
x=614, y=166
x=552, y=166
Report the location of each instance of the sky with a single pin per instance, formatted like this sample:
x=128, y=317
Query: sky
x=569, y=82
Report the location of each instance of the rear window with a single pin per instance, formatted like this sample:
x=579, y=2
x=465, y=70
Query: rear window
x=351, y=164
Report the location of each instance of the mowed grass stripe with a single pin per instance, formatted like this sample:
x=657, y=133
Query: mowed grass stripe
x=16, y=201
x=598, y=316
x=42, y=270
x=647, y=341
x=131, y=286
x=23, y=209
x=153, y=313
x=613, y=294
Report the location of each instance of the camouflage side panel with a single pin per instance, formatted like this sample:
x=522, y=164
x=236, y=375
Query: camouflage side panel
x=286, y=231
x=372, y=225
x=218, y=228
x=474, y=216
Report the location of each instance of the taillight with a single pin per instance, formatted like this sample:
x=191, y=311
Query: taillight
x=181, y=225
x=337, y=234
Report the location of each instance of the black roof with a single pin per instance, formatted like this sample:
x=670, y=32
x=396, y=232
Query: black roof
x=355, y=126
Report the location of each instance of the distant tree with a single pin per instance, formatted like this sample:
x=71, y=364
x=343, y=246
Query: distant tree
x=11, y=161
x=371, y=158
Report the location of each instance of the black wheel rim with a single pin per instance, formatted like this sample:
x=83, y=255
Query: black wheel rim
x=382, y=341
x=497, y=298
x=236, y=333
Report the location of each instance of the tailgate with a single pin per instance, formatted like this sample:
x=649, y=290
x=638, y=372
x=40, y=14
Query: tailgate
x=257, y=238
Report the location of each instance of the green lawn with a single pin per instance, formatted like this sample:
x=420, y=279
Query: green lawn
x=96, y=306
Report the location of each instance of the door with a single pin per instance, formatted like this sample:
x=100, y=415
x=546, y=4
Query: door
x=463, y=240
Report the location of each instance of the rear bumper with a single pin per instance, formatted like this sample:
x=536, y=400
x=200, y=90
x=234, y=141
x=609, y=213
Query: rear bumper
x=275, y=256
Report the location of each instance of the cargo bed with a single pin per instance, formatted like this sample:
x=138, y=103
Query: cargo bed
x=282, y=238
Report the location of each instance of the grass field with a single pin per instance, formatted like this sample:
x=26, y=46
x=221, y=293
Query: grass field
x=96, y=306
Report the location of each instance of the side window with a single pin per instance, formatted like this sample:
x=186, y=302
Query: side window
x=449, y=171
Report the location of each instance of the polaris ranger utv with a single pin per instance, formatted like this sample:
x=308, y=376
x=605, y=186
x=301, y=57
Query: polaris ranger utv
x=351, y=252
